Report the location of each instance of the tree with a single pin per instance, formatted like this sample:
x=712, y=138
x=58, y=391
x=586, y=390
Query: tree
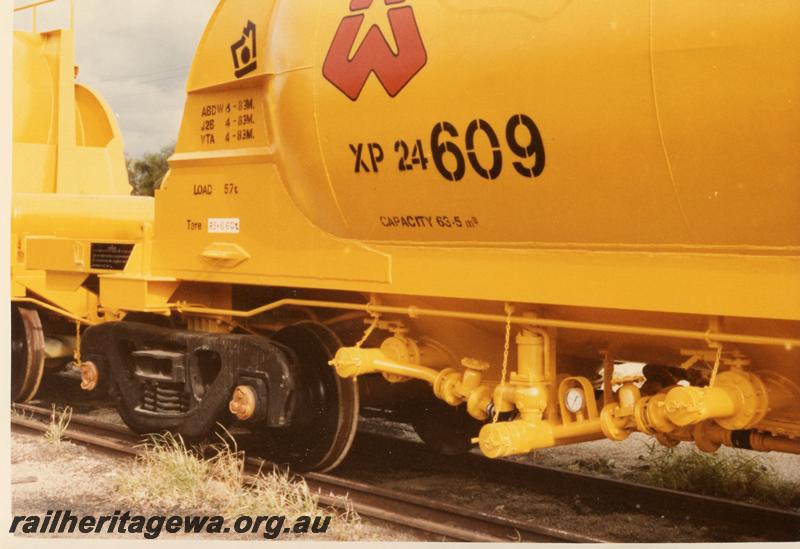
x=147, y=173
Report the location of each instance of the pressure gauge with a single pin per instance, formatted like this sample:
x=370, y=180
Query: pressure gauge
x=574, y=400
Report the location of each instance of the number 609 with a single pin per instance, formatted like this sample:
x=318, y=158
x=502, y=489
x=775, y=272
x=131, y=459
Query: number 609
x=528, y=148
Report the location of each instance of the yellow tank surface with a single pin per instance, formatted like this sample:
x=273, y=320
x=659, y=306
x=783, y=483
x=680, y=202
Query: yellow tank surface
x=497, y=143
x=572, y=124
x=514, y=195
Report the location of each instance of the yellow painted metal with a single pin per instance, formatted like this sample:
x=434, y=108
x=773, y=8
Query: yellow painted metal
x=663, y=219
x=693, y=235
x=56, y=238
x=32, y=7
x=67, y=159
x=132, y=293
x=533, y=234
x=708, y=436
x=615, y=425
x=738, y=399
x=49, y=307
x=354, y=362
x=455, y=387
x=531, y=393
x=630, y=84
x=617, y=420
x=399, y=359
x=416, y=312
x=66, y=139
x=102, y=218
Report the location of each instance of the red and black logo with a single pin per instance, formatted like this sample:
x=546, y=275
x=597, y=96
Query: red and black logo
x=374, y=55
x=244, y=51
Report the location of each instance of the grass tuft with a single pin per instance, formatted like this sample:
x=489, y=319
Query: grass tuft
x=17, y=412
x=59, y=422
x=734, y=474
x=170, y=475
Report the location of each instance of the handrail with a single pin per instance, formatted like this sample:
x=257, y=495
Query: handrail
x=33, y=5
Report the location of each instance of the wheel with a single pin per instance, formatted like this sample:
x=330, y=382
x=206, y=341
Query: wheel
x=27, y=353
x=445, y=429
x=320, y=438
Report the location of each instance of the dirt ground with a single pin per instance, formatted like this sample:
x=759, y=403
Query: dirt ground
x=571, y=512
x=69, y=476
x=602, y=457
x=48, y=476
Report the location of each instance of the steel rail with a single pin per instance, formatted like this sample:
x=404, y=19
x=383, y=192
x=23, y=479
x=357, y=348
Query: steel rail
x=781, y=525
x=429, y=517
x=438, y=517
x=466, y=525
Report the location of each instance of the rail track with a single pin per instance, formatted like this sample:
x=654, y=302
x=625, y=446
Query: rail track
x=430, y=518
x=602, y=493
x=434, y=518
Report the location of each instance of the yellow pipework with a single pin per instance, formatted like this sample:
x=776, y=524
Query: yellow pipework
x=764, y=442
x=520, y=437
x=529, y=393
x=455, y=387
x=618, y=420
x=398, y=360
x=650, y=415
x=528, y=390
x=509, y=438
x=737, y=400
x=708, y=436
x=355, y=361
x=691, y=405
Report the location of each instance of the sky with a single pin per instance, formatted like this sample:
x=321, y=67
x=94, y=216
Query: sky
x=136, y=54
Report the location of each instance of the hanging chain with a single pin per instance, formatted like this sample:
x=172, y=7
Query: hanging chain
x=375, y=319
x=77, y=354
x=506, y=347
x=716, y=365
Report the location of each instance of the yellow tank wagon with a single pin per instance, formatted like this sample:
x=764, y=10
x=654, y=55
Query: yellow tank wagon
x=481, y=203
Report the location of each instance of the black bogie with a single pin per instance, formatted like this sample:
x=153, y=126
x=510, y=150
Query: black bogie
x=167, y=379
x=181, y=381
